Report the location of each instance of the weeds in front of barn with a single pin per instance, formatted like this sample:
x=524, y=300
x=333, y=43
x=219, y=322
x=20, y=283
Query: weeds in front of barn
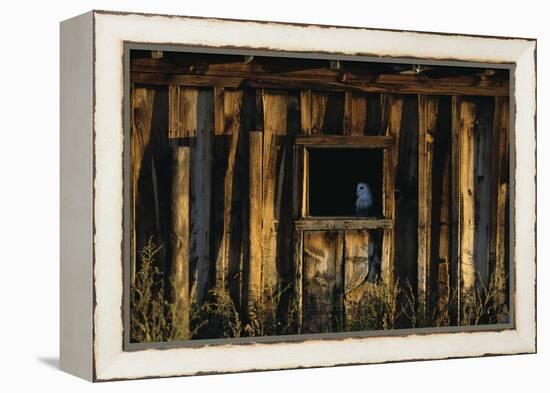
x=383, y=306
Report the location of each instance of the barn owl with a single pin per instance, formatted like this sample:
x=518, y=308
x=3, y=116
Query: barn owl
x=364, y=199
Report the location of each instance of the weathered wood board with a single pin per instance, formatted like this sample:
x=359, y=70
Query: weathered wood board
x=356, y=264
x=322, y=292
x=179, y=240
x=391, y=115
x=498, y=242
x=274, y=162
x=150, y=172
x=467, y=203
x=427, y=123
x=483, y=178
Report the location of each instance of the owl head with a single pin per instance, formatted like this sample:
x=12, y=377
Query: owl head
x=362, y=188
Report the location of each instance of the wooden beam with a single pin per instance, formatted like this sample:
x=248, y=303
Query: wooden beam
x=340, y=223
x=299, y=73
x=480, y=86
x=339, y=141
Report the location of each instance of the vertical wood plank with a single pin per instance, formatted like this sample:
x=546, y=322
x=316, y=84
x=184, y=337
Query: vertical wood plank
x=356, y=266
x=392, y=112
x=218, y=110
x=298, y=278
x=427, y=116
x=322, y=253
x=467, y=205
x=219, y=172
x=455, y=228
x=179, y=240
x=182, y=131
x=233, y=198
x=275, y=105
x=440, y=173
x=297, y=212
x=373, y=120
x=142, y=114
x=483, y=183
x=405, y=231
x=500, y=175
x=444, y=249
x=255, y=217
x=355, y=114
x=201, y=191
x=313, y=108
x=228, y=198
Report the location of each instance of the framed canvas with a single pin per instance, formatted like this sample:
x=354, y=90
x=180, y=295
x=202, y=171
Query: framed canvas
x=244, y=195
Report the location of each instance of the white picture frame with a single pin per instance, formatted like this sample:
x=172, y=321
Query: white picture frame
x=92, y=140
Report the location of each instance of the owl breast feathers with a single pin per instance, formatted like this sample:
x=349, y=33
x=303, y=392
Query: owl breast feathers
x=364, y=199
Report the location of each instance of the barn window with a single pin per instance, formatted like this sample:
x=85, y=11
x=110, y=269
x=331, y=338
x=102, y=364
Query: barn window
x=334, y=177
x=330, y=176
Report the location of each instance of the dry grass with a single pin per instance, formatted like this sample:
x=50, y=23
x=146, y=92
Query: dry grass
x=148, y=322
x=382, y=307
x=266, y=316
x=378, y=309
x=217, y=317
x=483, y=306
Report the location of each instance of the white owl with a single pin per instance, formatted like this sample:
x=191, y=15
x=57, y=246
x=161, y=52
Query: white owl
x=364, y=199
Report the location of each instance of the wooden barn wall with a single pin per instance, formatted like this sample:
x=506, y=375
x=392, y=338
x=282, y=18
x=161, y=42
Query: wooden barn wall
x=448, y=154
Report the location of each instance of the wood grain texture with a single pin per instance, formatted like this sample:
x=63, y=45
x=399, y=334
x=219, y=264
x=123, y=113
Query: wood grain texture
x=228, y=175
x=275, y=152
x=191, y=123
x=179, y=239
x=142, y=114
x=427, y=116
x=356, y=265
x=298, y=277
x=341, y=223
x=498, y=245
x=455, y=204
x=391, y=115
x=255, y=216
x=355, y=114
x=201, y=192
x=406, y=190
x=348, y=142
x=467, y=203
x=387, y=84
x=321, y=297
x=483, y=183
x=313, y=109
x=440, y=174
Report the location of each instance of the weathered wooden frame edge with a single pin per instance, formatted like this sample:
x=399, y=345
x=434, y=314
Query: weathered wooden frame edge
x=109, y=359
